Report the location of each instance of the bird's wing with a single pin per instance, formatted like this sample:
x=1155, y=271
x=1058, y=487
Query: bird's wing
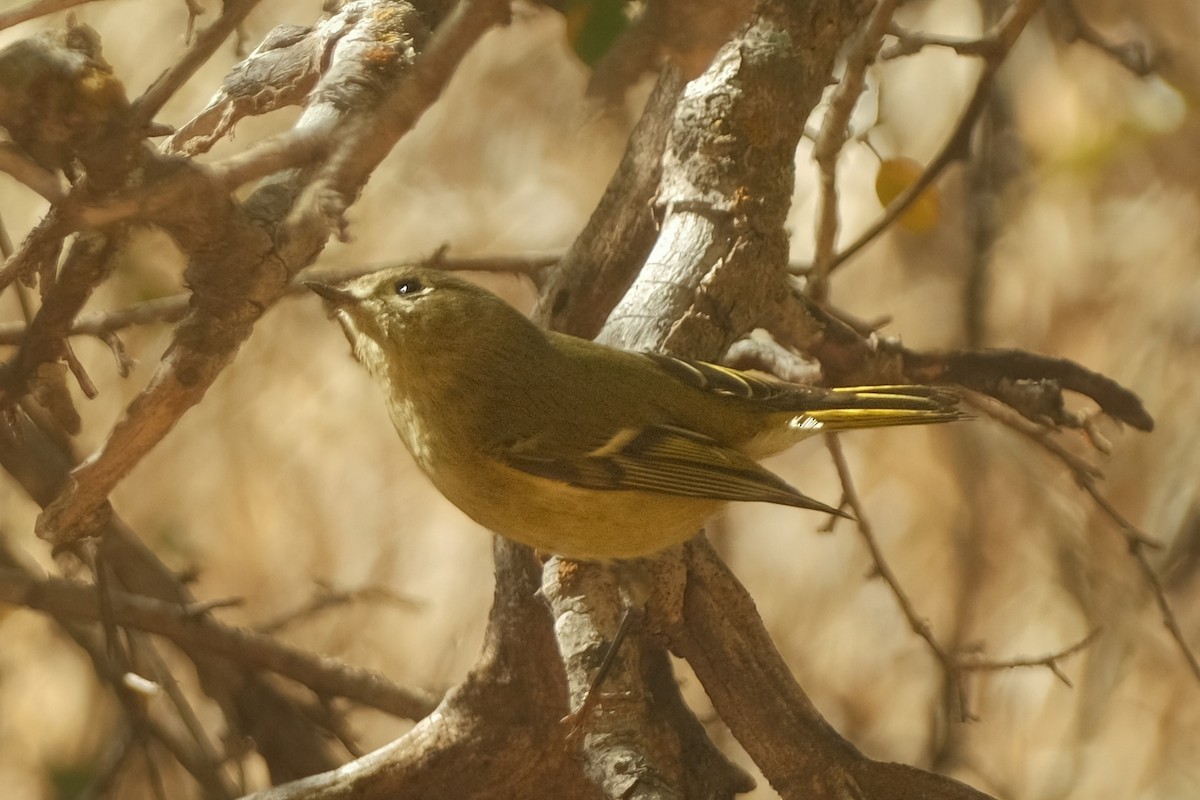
x=829, y=409
x=666, y=460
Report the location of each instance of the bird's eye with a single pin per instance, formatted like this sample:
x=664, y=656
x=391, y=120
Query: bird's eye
x=406, y=287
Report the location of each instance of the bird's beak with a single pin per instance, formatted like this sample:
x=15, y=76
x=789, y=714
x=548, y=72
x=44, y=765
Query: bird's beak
x=335, y=295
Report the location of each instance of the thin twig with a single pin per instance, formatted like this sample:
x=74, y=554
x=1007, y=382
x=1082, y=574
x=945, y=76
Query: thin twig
x=1049, y=660
x=102, y=323
x=206, y=761
x=328, y=598
x=912, y=42
x=953, y=664
x=835, y=131
x=206, y=773
x=1138, y=540
x=851, y=499
x=156, y=778
x=71, y=600
x=173, y=308
x=37, y=8
x=999, y=42
x=1133, y=55
x=205, y=44
x=1160, y=597
x=1042, y=434
x=195, y=10
x=77, y=369
x=1084, y=472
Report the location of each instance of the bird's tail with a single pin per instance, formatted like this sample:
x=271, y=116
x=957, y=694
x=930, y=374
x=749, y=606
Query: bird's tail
x=845, y=408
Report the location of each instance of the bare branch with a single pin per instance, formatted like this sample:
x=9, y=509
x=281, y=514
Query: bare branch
x=71, y=600
x=1133, y=55
x=1050, y=661
x=14, y=162
x=726, y=644
x=205, y=44
x=911, y=42
x=267, y=240
x=953, y=664
x=328, y=597
x=835, y=131
x=364, y=141
x=999, y=43
x=507, y=708
x=1139, y=541
x=34, y=9
x=38, y=455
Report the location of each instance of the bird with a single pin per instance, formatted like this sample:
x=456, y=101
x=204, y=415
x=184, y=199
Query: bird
x=576, y=448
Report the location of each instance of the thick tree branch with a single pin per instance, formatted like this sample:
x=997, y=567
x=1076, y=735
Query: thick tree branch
x=494, y=737
x=603, y=260
x=718, y=262
x=725, y=642
x=240, y=273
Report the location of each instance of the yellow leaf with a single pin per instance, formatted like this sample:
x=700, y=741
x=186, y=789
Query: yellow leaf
x=896, y=175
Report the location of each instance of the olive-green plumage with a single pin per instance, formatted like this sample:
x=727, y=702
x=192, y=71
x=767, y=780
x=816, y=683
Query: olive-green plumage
x=573, y=447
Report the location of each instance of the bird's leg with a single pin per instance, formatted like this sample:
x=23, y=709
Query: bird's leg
x=632, y=617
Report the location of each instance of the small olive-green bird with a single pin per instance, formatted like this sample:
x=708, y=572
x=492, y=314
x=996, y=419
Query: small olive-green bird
x=575, y=448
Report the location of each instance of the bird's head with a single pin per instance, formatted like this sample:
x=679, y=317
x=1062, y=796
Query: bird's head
x=415, y=318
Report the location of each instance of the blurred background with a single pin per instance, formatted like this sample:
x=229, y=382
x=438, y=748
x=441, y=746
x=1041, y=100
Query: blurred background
x=287, y=481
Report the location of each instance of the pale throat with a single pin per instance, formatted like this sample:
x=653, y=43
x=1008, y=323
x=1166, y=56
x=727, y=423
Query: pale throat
x=407, y=419
x=366, y=350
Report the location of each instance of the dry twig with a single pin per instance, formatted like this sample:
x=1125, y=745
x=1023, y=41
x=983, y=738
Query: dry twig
x=953, y=664
x=74, y=601
x=835, y=131
x=35, y=9
x=1139, y=542
x=1133, y=55
x=994, y=47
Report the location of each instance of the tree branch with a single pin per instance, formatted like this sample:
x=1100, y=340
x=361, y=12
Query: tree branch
x=953, y=664
x=495, y=736
x=994, y=47
x=35, y=9
x=73, y=601
x=237, y=276
x=1138, y=541
x=233, y=14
